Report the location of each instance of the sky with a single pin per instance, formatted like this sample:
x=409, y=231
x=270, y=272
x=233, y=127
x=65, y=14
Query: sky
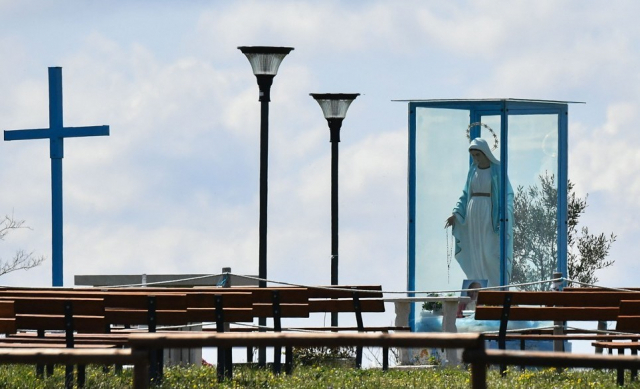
x=174, y=188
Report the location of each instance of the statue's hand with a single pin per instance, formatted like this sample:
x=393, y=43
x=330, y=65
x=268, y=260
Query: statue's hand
x=451, y=220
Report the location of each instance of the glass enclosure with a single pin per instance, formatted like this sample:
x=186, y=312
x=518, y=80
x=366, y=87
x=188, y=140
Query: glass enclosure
x=529, y=140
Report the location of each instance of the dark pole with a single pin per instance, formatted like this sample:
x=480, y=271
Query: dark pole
x=334, y=128
x=334, y=108
x=264, y=83
x=265, y=61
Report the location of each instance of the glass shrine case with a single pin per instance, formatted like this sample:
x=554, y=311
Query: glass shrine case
x=530, y=140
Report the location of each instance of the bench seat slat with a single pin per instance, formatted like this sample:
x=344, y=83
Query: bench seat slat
x=141, y=317
x=345, y=305
x=55, y=305
x=8, y=325
x=265, y=295
x=286, y=310
x=573, y=299
x=208, y=300
x=549, y=313
x=57, y=322
x=197, y=315
x=364, y=291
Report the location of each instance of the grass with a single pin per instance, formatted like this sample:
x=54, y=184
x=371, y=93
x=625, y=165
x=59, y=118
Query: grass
x=23, y=377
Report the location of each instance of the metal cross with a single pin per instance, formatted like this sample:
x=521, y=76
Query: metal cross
x=56, y=134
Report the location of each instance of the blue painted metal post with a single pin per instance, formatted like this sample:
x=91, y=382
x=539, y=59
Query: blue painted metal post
x=504, y=165
x=56, y=134
x=563, y=179
x=56, y=222
x=56, y=151
x=411, y=268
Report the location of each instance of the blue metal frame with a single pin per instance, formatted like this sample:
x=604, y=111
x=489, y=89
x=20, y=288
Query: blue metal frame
x=56, y=134
x=563, y=179
x=411, y=228
x=477, y=109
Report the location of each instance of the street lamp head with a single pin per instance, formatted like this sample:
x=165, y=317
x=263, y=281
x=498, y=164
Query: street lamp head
x=334, y=105
x=265, y=60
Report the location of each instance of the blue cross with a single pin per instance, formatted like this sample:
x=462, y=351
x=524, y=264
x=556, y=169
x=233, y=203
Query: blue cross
x=56, y=134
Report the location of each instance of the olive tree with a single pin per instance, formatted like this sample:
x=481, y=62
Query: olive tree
x=21, y=260
x=535, y=233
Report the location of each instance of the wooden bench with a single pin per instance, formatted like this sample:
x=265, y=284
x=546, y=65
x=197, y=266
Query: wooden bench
x=152, y=308
x=177, y=306
x=155, y=307
x=355, y=299
x=295, y=302
x=243, y=304
x=480, y=358
x=466, y=341
x=81, y=357
x=338, y=299
x=547, y=306
x=43, y=314
x=628, y=321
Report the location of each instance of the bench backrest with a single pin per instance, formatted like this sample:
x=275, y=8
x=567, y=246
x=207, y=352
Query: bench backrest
x=51, y=313
x=556, y=306
x=176, y=306
x=172, y=307
x=342, y=298
x=629, y=316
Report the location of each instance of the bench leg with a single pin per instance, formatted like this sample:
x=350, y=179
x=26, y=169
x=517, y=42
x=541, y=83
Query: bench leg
x=620, y=378
x=221, y=364
x=385, y=358
x=140, y=376
x=228, y=363
x=634, y=372
x=160, y=365
x=503, y=367
x=277, y=360
x=288, y=360
x=503, y=370
x=155, y=372
x=40, y=370
x=81, y=375
x=68, y=377
x=478, y=375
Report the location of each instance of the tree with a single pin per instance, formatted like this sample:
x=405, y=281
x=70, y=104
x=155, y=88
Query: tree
x=22, y=260
x=535, y=234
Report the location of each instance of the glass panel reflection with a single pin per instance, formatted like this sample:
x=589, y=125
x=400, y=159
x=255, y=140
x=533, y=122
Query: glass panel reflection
x=442, y=162
x=533, y=162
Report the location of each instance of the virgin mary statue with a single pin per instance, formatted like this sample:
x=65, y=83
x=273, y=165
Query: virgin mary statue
x=475, y=219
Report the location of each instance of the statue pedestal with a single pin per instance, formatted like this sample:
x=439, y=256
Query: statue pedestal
x=446, y=320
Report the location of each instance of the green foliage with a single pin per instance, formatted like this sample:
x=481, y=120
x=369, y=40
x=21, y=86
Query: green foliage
x=322, y=377
x=24, y=377
x=311, y=356
x=432, y=305
x=535, y=233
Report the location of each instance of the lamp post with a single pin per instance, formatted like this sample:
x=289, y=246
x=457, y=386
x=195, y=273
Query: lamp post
x=265, y=62
x=334, y=107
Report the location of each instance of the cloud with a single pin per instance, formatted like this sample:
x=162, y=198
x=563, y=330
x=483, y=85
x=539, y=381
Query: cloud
x=600, y=157
x=175, y=185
